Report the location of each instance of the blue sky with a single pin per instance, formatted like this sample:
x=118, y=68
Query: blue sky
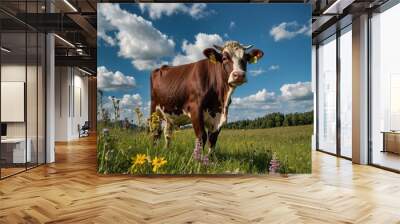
x=133, y=39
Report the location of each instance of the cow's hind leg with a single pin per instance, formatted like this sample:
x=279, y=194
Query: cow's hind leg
x=156, y=133
x=155, y=124
x=168, y=130
x=201, y=136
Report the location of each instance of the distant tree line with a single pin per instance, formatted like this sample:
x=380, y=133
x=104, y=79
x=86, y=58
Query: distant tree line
x=273, y=120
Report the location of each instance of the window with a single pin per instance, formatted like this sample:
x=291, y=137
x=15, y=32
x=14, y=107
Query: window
x=327, y=95
x=346, y=92
x=385, y=89
x=22, y=101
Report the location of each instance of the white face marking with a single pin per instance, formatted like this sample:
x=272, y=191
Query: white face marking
x=236, y=54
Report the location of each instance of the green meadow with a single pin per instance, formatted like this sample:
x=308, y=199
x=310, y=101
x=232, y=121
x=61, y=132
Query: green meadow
x=238, y=151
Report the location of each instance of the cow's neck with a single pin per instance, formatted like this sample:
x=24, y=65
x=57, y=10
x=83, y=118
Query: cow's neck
x=225, y=106
x=227, y=98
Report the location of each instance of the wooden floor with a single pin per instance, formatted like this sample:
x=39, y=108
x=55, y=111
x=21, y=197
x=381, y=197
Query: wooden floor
x=70, y=191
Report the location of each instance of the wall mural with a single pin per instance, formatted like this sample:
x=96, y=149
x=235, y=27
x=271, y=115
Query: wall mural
x=204, y=88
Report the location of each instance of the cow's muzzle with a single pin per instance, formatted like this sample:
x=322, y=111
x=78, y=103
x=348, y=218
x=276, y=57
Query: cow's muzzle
x=238, y=78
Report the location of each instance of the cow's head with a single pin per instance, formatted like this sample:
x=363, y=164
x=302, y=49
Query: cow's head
x=234, y=59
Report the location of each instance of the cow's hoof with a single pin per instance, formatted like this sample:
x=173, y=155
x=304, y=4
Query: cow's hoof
x=205, y=160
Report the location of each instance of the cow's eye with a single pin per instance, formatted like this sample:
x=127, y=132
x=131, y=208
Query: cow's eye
x=225, y=57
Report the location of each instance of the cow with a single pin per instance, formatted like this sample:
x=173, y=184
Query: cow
x=201, y=90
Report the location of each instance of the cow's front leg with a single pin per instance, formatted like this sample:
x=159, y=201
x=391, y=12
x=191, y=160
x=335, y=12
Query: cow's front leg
x=199, y=130
x=212, y=140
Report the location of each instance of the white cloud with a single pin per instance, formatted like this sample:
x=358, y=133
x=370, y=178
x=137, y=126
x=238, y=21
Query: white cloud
x=256, y=72
x=111, y=81
x=148, y=64
x=289, y=30
x=299, y=91
x=273, y=67
x=253, y=106
x=157, y=10
x=128, y=103
x=103, y=26
x=136, y=37
x=259, y=71
x=295, y=97
x=194, y=52
x=260, y=100
x=232, y=25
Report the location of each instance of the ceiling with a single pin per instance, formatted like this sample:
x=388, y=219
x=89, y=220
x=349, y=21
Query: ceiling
x=73, y=21
x=330, y=15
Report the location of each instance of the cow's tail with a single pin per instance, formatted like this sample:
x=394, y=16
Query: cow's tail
x=155, y=118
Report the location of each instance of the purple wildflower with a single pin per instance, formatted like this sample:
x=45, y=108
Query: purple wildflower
x=274, y=164
x=197, y=150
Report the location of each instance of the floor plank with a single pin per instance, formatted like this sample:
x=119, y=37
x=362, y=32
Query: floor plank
x=70, y=191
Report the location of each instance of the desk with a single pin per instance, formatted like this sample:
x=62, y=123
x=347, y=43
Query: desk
x=13, y=150
x=391, y=141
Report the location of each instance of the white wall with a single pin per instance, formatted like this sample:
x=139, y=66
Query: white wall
x=33, y=126
x=12, y=73
x=71, y=87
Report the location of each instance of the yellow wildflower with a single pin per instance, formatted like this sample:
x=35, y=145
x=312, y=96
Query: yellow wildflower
x=158, y=162
x=140, y=159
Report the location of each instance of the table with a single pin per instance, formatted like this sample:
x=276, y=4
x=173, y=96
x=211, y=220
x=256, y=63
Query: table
x=13, y=150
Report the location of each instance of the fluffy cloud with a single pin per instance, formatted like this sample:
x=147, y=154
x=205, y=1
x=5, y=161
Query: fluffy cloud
x=157, y=10
x=256, y=72
x=289, y=30
x=128, y=103
x=299, y=91
x=273, y=67
x=104, y=26
x=148, y=64
x=260, y=100
x=295, y=97
x=111, y=81
x=131, y=101
x=194, y=51
x=136, y=37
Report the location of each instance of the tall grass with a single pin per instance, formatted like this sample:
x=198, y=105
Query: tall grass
x=237, y=151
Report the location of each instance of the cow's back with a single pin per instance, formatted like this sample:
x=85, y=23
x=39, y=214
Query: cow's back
x=171, y=86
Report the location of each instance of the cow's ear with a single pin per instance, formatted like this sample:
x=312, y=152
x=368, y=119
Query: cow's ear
x=255, y=55
x=212, y=55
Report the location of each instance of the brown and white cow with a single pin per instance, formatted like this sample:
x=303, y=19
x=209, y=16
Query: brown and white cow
x=201, y=90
